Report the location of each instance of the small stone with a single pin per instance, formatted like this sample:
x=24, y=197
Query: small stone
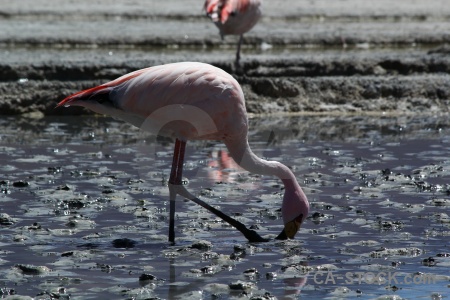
x=33, y=270
x=201, y=245
x=123, y=243
x=145, y=277
x=251, y=272
x=6, y=220
x=21, y=184
x=241, y=286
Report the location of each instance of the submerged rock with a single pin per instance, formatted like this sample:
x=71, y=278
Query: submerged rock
x=202, y=245
x=124, y=243
x=32, y=269
x=241, y=286
x=21, y=184
x=6, y=219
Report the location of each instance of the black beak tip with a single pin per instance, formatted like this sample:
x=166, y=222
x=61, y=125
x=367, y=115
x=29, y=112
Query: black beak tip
x=282, y=236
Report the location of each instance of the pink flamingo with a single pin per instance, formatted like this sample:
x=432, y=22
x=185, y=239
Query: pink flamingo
x=234, y=17
x=197, y=101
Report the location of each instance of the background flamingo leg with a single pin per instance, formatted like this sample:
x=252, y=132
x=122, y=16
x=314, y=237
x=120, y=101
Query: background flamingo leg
x=238, y=52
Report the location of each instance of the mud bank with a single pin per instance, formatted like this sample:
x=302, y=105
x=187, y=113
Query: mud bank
x=310, y=57
x=338, y=82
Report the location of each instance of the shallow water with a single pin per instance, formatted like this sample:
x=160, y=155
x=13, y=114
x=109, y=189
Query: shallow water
x=83, y=211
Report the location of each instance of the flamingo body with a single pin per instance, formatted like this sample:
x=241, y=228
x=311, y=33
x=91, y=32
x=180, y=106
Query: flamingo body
x=152, y=96
x=195, y=101
x=234, y=17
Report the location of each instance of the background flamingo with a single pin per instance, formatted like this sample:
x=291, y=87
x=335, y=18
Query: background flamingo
x=193, y=101
x=234, y=17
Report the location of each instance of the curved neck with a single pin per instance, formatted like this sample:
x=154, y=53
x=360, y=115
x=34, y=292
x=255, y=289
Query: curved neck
x=294, y=203
x=244, y=157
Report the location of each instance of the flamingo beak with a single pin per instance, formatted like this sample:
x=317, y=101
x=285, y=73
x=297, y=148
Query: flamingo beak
x=291, y=228
x=64, y=102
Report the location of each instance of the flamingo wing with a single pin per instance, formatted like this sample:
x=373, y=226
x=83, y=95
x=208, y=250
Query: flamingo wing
x=99, y=93
x=179, y=93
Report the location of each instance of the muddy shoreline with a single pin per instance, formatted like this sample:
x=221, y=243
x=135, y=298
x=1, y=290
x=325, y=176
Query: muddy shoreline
x=314, y=57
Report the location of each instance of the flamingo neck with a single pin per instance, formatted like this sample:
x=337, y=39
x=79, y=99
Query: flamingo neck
x=294, y=202
x=244, y=157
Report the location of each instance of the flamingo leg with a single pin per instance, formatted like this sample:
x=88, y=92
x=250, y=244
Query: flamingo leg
x=251, y=235
x=176, y=174
x=238, y=52
x=176, y=187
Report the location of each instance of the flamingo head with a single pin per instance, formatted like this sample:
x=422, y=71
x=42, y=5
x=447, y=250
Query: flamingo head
x=294, y=210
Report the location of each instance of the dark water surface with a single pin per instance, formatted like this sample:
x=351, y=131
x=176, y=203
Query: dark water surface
x=83, y=211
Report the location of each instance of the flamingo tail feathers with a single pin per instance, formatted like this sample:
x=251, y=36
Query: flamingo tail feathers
x=99, y=93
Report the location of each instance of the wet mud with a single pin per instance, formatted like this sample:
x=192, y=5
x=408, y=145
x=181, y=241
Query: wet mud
x=83, y=211
x=315, y=56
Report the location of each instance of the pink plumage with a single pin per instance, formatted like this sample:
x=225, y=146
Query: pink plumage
x=192, y=100
x=197, y=90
